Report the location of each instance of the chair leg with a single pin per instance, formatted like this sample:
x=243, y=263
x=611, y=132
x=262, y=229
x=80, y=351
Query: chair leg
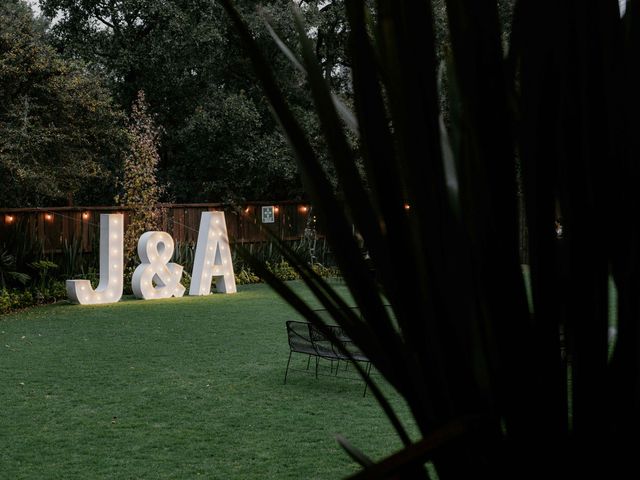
x=316, y=367
x=337, y=367
x=368, y=370
x=308, y=362
x=287, y=370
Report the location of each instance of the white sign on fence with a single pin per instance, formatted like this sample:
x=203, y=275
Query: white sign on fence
x=268, y=214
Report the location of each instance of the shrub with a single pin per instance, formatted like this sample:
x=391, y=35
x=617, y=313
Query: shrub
x=51, y=290
x=43, y=278
x=186, y=281
x=283, y=270
x=246, y=276
x=7, y=270
x=11, y=300
x=326, y=271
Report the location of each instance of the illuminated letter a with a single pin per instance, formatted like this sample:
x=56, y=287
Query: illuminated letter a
x=213, y=257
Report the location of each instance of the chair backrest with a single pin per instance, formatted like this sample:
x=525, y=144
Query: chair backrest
x=322, y=343
x=299, y=336
x=307, y=338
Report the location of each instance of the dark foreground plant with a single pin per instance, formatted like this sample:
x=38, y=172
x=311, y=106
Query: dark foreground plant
x=497, y=389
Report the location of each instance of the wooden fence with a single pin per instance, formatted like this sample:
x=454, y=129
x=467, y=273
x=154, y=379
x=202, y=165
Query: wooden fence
x=52, y=226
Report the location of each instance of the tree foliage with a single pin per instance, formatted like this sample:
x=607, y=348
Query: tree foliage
x=140, y=188
x=60, y=135
x=220, y=141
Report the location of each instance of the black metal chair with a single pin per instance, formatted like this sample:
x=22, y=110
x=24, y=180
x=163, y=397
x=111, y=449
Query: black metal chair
x=299, y=342
x=344, y=350
x=308, y=339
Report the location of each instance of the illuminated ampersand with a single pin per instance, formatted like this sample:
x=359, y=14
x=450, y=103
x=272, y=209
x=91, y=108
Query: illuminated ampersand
x=155, y=277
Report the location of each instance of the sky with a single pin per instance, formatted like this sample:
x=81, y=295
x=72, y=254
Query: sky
x=34, y=5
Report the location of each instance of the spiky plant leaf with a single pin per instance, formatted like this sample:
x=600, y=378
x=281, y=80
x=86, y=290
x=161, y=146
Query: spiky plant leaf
x=438, y=213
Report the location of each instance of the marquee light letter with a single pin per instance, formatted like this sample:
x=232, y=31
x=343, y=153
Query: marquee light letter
x=213, y=257
x=155, y=277
x=109, y=288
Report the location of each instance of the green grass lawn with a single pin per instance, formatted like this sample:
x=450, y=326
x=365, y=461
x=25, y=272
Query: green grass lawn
x=175, y=388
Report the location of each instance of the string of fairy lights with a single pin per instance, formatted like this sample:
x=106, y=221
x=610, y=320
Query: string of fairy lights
x=86, y=217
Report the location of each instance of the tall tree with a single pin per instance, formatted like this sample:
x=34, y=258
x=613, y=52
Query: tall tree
x=60, y=135
x=140, y=188
x=220, y=141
